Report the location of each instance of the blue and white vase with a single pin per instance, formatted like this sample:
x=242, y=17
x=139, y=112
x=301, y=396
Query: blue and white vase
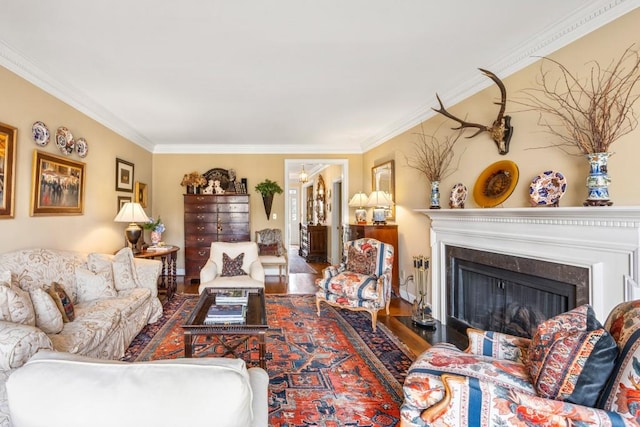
x=435, y=195
x=598, y=180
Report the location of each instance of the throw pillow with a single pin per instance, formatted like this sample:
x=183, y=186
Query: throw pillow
x=232, y=266
x=62, y=301
x=48, y=317
x=93, y=286
x=5, y=278
x=124, y=271
x=16, y=306
x=101, y=264
x=19, y=343
x=571, y=357
x=271, y=249
x=363, y=262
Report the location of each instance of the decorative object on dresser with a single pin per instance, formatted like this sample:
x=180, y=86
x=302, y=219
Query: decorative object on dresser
x=387, y=233
x=212, y=218
x=313, y=242
x=267, y=189
x=132, y=213
x=380, y=201
x=383, y=179
x=359, y=201
x=193, y=181
x=8, y=140
x=50, y=175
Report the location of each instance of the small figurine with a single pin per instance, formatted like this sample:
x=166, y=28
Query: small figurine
x=217, y=188
x=209, y=188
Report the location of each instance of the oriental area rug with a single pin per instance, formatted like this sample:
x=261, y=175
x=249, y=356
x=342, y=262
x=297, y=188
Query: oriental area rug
x=331, y=370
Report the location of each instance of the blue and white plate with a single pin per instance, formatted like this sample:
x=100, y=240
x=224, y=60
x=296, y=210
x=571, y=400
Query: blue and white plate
x=82, y=148
x=547, y=188
x=40, y=133
x=64, y=140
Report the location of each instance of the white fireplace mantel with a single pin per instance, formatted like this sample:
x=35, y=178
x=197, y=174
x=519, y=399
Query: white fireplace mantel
x=605, y=240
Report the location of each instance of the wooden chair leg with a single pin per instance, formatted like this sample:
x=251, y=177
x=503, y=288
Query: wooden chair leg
x=374, y=319
x=318, y=305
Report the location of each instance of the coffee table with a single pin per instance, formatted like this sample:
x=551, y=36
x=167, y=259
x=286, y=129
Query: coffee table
x=255, y=325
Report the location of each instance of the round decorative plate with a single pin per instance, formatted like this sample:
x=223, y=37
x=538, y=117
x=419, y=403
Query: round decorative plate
x=458, y=196
x=547, y=188
x=495, y=184
x=64, y=140
x=82, y=148
x=40, y=133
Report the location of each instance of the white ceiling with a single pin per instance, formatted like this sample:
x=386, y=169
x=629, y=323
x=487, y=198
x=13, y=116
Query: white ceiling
x=289, y=76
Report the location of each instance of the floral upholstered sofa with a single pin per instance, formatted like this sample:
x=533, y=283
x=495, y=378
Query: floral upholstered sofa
x=86, y=304
x=572, y=372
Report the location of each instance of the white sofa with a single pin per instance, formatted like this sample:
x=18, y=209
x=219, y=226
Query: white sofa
x=212, y=274
x=179, y=392
x=113, y=298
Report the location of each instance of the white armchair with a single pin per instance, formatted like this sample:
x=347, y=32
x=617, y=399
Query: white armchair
x=214, y=274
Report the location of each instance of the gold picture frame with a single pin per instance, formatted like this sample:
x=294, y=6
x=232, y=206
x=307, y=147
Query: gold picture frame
x=57, y=185
x=141, y=194
x=383, y=179
x=8, y=140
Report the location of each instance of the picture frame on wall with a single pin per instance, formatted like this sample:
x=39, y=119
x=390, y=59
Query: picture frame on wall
x=141, y=194
x=8, y=140
x=121, y=201
x=57, y=185
x=124, y=176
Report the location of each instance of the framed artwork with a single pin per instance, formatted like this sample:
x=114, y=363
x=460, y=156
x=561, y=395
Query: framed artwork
x=58, y=185
x=141, y=194
x=121, y=201
x=124, y=176
x=8, y=139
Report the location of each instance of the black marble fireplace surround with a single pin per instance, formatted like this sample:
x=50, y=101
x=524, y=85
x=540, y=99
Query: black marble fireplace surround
x=510, y=294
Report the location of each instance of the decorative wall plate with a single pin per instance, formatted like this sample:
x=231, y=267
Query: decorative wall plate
x=547, y=188
x=82, y=148
x=458, y=196
x=40, y=133
x=495, y=184
x=64, y=140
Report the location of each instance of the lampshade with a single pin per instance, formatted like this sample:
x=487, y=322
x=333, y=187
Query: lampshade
x=132, y=212
x=303, y=177
x=379, y=201
x=359, y=201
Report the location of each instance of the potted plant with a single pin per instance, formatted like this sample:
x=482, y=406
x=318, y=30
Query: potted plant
x=157, y=228
x=193, y=181
x=268, y=188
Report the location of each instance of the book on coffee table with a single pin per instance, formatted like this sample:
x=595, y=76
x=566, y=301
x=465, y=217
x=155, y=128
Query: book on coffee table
x=227, y=312
x=232, y=296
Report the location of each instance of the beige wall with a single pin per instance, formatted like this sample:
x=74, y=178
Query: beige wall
x=474, y=155
x=22, y=104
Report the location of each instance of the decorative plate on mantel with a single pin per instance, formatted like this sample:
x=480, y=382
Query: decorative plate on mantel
x=495, y=184
x=547, y=188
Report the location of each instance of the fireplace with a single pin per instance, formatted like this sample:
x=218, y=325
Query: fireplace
x=596, y=248
x=508, y=294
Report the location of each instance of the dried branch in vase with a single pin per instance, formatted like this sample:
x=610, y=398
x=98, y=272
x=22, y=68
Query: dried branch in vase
x=589, y=113
x=432, y=157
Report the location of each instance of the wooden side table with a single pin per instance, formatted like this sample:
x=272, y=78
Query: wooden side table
x=169, y=256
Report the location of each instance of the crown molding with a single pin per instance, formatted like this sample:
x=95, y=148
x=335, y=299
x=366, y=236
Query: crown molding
x=230, y=148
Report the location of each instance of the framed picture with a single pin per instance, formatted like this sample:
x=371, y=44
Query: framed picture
x=58, y=185
x=124, y=176
x=8, y=138
x=121, y=201
x=141, y=194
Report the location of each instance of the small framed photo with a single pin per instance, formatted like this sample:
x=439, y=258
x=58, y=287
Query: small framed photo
x=58, y=185
x=124, y=176
x=8, y=135
x=141, y=194
x=121, y=201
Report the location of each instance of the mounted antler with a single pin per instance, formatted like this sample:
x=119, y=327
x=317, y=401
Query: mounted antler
x=501, y=129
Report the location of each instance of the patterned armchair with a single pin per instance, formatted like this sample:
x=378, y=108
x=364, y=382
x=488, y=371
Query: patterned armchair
x=557, y=378
x=362, y=282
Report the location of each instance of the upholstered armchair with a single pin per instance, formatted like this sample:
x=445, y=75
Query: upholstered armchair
x=362, y=282
x=271, y=250
x=573, y=372
x=232, y=265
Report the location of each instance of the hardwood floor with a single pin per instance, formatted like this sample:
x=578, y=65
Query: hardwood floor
x=304, y=283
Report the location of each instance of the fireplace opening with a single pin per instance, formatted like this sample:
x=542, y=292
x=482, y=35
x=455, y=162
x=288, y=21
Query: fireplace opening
x=509, y=294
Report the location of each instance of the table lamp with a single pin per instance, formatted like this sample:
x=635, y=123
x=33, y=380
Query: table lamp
x=132, y=213
x=379, y=201
x=359, y=201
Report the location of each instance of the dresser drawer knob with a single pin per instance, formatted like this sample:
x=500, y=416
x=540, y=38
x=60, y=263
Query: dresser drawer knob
x=200, y=239
x=200, y=216
x=200, y=228
x=202, y=253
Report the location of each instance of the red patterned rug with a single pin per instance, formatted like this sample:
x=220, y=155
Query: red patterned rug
x=323, y=371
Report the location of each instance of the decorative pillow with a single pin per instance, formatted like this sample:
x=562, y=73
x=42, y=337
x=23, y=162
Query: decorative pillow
x=101, y=264
x=93, y=286
x=19, y=343
x=62, y=301
x=48, y=317
x=571, y=357
x=272, y=249
x=5, y=278
x=124, y=271
x=16, y=306
x=232, y=266
x=363, y=262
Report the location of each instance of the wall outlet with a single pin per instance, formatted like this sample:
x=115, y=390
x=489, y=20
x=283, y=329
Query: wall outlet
x=274, y=216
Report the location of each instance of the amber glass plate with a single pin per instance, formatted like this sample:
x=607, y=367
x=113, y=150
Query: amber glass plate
x=495, y=184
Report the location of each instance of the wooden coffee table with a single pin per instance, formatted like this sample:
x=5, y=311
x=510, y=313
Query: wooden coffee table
x=255, y=325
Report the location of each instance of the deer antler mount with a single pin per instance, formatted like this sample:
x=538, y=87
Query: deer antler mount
x=501, y=129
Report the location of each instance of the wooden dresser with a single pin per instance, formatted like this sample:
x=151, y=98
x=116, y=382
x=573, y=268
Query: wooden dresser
x=212, y=218
x=387, y=233
x=313, y=242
